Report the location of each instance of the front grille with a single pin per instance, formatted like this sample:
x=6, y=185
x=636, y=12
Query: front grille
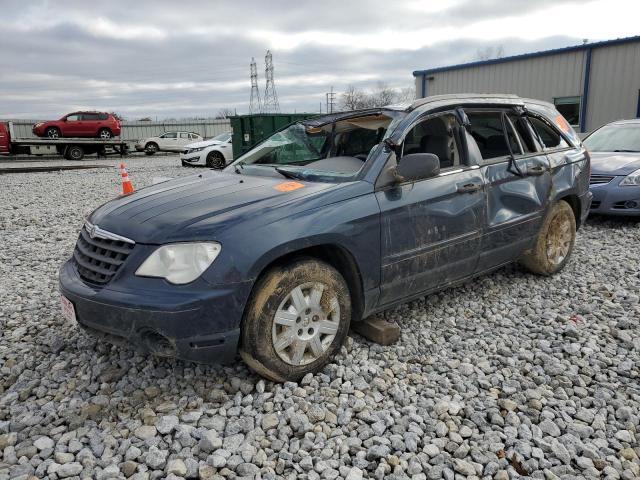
x=98, y=259
x=600, y=179
x=595, y=204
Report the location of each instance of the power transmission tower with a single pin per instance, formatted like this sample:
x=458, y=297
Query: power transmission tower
x=254, y=105
x=330, y=96
x=270, y=102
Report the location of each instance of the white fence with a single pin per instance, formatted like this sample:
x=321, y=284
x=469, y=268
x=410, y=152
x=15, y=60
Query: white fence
x=132, y=131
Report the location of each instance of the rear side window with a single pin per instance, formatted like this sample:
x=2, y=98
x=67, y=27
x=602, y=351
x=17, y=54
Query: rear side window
x=170, y=135
x=549, y=137
x=90, y=116
x=487, y=130
x=103, y=116
x=184, y=135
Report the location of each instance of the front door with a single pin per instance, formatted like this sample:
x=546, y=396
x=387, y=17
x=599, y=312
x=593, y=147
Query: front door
x=431, y=228
x=73, y=125
x=518, y=183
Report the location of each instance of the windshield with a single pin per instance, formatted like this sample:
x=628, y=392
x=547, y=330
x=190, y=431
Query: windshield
x=223, y=137
x=614, y=138
x=335, y=151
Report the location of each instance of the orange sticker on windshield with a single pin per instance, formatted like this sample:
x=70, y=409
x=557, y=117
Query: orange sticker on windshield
x=562, y=123
x=288, y=186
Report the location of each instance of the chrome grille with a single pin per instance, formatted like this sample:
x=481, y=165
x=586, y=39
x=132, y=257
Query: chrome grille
x=98, y=259
x=600, y=179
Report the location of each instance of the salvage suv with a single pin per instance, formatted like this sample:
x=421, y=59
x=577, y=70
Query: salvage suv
x=327, y=222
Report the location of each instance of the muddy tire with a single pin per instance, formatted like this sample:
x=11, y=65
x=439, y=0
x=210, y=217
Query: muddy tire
x=555, y=241
x=296, y=320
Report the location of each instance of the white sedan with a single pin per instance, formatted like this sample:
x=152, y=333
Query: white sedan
x=167, y=142
x=216, y=152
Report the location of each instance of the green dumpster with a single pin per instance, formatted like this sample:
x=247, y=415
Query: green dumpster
x=251, y=129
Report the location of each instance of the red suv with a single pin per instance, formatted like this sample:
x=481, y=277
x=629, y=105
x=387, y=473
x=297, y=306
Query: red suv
x=80, y=124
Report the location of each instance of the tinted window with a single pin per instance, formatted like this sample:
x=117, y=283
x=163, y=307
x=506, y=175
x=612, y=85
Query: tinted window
x=103, y=116
x=434, y=135
x=170, y=135
x=569, y=107
x=487, y=130
x=549, y=137
x=90, y=116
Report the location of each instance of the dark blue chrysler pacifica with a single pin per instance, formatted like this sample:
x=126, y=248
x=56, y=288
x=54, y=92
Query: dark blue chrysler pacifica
x=326, y=222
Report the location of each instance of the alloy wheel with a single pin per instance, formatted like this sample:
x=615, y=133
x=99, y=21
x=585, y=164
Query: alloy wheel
x=558, y=241
x=306, y=323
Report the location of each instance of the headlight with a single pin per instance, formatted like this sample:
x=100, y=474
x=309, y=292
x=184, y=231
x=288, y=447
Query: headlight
x=194, y=150
x=38, y=124
x=632, y=179
x=180, y=263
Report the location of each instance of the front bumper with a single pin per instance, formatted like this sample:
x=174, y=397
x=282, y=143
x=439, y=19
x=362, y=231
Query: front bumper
x=171, y=322
x=197, y=158
x=612, y=199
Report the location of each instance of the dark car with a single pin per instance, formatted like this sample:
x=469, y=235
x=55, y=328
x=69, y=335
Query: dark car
x=615, y=168
x=326, y=222
x=80, y=124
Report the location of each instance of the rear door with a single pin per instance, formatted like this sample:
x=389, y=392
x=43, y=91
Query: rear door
x=184, y=138
x=90, y=124
x=168, y=141
x=518, y=183
x=431, y=228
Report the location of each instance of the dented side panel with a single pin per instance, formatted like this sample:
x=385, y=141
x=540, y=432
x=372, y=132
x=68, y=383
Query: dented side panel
x=430, y=233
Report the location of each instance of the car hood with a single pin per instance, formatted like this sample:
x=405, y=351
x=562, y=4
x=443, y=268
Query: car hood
x=203, y=143
x=614, y=163
x=186, y=208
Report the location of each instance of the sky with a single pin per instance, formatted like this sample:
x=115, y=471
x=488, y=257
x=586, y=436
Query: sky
x=164, y=59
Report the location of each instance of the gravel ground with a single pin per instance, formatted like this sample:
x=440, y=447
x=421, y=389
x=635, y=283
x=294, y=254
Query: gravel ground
x=509, y=375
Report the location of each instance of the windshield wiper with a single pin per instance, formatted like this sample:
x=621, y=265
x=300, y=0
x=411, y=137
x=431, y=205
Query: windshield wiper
x=290, y=174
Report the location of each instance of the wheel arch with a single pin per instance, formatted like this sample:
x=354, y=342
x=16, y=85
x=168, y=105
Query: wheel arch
x=333, y=254
x=574, y=202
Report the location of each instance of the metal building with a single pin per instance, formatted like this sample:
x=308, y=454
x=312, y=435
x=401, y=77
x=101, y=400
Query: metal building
x=590, y=84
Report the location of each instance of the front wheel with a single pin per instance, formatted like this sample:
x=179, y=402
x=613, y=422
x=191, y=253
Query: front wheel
x=215, y=160
x=555, y=241
x=52, y=132
x=296, y=320
x=150, y=148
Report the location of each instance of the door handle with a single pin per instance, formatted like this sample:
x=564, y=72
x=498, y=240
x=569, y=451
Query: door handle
x=468, y=187
x=537, y=170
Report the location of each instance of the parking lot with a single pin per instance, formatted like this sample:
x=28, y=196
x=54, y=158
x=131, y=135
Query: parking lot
x=509, y=374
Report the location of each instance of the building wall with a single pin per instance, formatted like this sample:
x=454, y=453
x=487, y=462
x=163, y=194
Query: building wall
x=614, y=84
x=544, y=78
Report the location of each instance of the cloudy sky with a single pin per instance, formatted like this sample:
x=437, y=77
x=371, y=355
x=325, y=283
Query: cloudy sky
x=191, y=58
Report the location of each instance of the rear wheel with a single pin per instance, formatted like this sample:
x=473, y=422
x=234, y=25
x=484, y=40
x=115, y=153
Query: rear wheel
x=53, y=132
x=215, y=160
x=151, y=148
x=104, y=134
x=555, y=241
x=296, y=320
x=75, y=152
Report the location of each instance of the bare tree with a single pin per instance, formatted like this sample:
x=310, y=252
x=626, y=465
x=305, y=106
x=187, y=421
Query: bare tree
x=225, y=113
x=490, y=52
x=353, y=98
x=406, y=95
x=117, y=116
x=382, y=95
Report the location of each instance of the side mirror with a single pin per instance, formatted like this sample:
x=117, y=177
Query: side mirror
x=417, y=166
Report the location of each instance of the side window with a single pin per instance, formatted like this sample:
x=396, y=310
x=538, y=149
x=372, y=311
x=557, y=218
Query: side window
x=526, y=140
x=170, y=135
x=73, y=118
x=487, y=130
x=103, y=116
x=184, y=135
x=549, y=137
x=434, y=135
x=89, y=116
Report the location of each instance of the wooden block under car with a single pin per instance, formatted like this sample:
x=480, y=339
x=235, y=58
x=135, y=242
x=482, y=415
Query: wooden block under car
x=378, y=330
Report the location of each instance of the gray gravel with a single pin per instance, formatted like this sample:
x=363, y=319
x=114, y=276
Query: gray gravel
x=509, y=375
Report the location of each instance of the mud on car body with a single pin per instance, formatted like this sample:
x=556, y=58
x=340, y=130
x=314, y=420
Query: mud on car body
x=326, y=222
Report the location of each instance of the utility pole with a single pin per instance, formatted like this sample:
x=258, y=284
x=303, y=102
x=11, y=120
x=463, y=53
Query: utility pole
x=330, y=99
x=254, y=104
x=270, y=104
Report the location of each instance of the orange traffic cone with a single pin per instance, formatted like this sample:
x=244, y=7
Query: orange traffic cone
x=127, y=186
